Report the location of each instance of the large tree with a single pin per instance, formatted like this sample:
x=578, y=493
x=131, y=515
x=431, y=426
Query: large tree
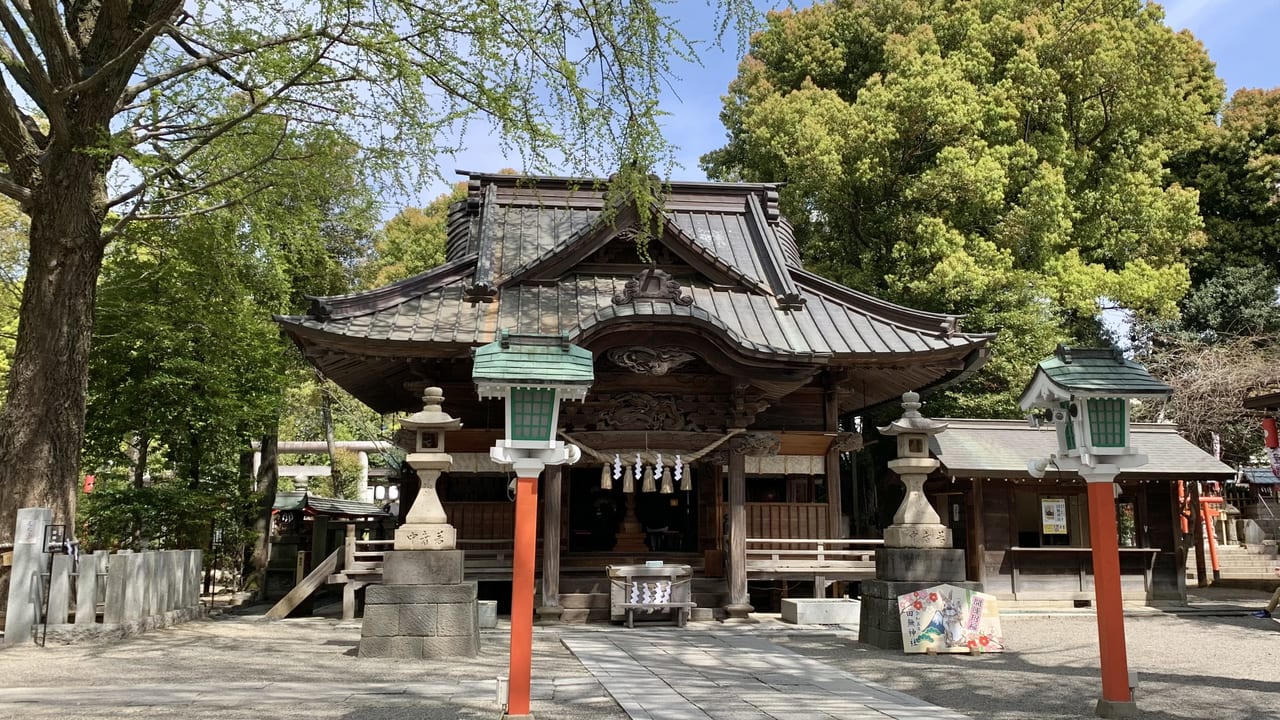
x=100, y=100
x=1000, y=158
x=1237, y=173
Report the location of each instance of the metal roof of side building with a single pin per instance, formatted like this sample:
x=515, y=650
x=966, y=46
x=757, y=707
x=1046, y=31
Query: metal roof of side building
x=1001, y=448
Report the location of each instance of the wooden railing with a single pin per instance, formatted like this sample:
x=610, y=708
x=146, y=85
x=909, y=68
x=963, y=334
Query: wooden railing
x=787, y=520
x=482, y=520
x=806, y=558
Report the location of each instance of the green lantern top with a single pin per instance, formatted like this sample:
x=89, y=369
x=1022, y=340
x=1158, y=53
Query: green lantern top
x=533, y=373
x=1087, y=392
x=1089, y=372
x=534, y=361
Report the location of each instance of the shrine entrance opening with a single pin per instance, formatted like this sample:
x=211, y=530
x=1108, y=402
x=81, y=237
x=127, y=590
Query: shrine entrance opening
x=610, y=520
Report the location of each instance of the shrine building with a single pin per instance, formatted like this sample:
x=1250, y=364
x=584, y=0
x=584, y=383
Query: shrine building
x=712, y=433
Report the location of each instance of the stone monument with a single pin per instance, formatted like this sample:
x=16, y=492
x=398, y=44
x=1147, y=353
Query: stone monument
x=917, y=550
x=423, y=608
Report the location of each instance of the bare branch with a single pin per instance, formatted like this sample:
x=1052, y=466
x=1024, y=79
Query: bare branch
x=44, y=94
x=118, y=62
x=52, y=37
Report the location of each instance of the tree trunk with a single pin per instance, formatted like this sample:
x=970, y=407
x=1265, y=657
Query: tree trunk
x=326, y=413
x=267, y=481
x=42, y=425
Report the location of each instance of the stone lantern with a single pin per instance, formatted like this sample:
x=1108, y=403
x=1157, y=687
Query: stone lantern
x=916, y=524
x=422, y=436
x=423, y=607
x=917, y=552
x=1086, y=393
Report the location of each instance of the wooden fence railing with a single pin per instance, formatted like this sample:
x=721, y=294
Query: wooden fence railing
x=787, y=520
x=807, y=558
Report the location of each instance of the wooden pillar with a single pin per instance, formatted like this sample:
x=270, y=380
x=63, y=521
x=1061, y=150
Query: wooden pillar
x=739, y=601
x=835, y=520
x=1197, y=536
x=978, y=531
x=551, y=500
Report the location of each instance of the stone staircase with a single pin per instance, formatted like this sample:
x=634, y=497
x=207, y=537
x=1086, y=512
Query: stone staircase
x=1249, y=554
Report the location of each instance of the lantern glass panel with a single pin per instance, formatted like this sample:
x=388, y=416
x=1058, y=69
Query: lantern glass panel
x=1106, y=422
x=532, y=412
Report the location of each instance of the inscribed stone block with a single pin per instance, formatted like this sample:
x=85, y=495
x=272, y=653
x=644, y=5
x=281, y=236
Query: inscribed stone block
x=929, y=565
x=150, y=574
x=29, y=561
x=422, y=567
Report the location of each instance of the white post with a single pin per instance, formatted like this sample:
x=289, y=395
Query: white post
x=29, y=561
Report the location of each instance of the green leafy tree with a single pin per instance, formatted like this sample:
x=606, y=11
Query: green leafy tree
x=101, y=102
x=187, y=366
x=413, y=241
x=1237, y=173
x=999, y=158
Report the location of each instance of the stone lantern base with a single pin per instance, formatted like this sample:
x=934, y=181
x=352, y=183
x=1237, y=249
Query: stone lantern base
x=900, y=571
x=422, y=609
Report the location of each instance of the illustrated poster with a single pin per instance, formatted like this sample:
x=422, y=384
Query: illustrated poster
x=950, y=619
x=1054, y=514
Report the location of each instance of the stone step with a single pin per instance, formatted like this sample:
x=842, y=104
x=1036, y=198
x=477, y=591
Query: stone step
x=580, y=601
x=579, y=616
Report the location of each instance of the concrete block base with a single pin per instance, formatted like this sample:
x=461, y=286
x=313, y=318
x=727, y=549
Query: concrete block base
x=488, y=613
x=821, y=611
x=423, y=610
x=1116, y=709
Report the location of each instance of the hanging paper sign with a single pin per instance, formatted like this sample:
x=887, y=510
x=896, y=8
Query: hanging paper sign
x=1053, y=514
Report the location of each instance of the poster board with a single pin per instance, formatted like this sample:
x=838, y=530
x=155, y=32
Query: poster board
x=1053, y=516
x=950, y=619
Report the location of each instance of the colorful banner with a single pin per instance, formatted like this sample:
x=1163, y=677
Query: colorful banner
x=950, y=619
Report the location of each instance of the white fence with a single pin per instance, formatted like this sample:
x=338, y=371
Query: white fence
x=69, y=597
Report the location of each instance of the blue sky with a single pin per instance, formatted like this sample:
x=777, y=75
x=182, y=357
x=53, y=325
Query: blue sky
x=1242, y=37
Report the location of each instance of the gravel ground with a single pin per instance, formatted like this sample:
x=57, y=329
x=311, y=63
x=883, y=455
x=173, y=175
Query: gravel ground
x=1190, y=667
x=1223, y=666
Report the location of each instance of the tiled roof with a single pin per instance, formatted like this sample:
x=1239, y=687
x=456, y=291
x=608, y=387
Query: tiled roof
x=333, y=507
x=829, y=325
x=1001, y=449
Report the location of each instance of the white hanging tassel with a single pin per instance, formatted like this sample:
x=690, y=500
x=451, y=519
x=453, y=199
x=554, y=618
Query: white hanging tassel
x=629, y=479
x=648, y=480
x=684, y=474
x=606, y=482
x=664, y=477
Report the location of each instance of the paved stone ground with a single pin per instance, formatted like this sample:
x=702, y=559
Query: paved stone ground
x=243, y=667
x=679, y=675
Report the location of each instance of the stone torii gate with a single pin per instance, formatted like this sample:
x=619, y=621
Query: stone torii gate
x=362, y=448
